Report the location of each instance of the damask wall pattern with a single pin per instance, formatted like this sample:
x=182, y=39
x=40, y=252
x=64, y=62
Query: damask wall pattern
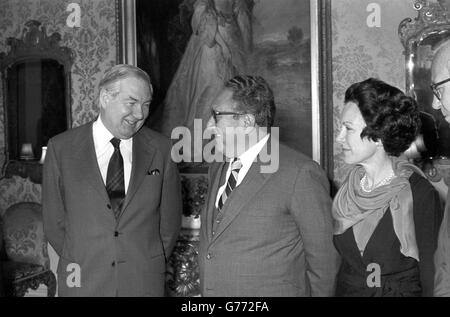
x=17, y=189
x=94, y=45
x=368, y=52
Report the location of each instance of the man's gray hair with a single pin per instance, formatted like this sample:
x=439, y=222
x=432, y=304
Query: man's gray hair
x=121, y=71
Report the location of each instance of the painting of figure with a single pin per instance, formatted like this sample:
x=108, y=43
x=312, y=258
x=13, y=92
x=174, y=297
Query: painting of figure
x=220, y=43
x=191, y=47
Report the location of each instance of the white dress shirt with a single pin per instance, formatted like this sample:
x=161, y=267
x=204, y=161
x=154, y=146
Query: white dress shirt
x=247, y=159
x=104, y=150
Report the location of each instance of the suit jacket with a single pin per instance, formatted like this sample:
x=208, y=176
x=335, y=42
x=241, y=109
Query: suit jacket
x=275, y=238
x=116, y=257
x=1, y=260
x=442, y=256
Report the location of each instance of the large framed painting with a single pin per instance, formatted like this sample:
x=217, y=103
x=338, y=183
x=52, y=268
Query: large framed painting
x=190, y=47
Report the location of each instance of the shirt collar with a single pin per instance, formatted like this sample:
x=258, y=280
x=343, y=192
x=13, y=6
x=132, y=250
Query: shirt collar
x=102, y=137
x=250, y=155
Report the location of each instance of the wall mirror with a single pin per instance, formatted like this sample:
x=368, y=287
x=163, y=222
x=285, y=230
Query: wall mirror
x=421, y=37
x=36, y=91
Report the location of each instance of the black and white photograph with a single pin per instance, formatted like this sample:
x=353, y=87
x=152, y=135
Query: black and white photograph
x=225, y=153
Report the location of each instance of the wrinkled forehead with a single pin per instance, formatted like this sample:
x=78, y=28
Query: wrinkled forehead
x=224, y=101
x=439, y=70
x=135, y=88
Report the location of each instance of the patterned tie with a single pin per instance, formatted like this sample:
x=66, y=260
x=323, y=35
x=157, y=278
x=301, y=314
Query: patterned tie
x=115, y=183
x=236, y=165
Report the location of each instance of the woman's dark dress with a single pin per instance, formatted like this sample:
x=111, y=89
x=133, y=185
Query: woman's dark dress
x=400, y=275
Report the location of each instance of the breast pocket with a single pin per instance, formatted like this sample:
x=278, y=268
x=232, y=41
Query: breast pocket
x=153, y=181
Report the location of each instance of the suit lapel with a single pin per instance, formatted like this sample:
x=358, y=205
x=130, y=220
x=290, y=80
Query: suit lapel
x=244, y=193
x=142, y=158
x=216, y=172
x=87, y=162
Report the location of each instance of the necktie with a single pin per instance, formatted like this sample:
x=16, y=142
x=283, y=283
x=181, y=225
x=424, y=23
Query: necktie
x=115, y=183
x=236, y=165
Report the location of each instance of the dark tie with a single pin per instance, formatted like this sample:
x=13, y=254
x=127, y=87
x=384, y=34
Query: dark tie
x=115, y=183
x=236, y=165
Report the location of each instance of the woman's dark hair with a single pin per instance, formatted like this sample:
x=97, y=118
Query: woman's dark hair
x=390, y=115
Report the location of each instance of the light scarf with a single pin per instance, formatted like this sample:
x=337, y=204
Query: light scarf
x=352, y=205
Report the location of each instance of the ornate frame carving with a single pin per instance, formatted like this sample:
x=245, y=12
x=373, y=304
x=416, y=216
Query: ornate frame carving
x=35, y=44
x=432, y=24
x=432, y=18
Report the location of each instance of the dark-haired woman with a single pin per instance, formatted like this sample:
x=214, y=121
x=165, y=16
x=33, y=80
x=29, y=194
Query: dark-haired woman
x=387, y=215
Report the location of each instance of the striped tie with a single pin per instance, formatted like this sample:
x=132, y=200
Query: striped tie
x=236, y=165
x=115, y=182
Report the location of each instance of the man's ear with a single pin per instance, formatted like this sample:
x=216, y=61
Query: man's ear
x=104, y=98
x=448, y=66
x=249, y=120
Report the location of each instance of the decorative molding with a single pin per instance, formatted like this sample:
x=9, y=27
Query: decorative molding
x=437, y=169
x=430, y=17
x=118, y=21
x=20, y=277
x=194, y=188
x=36, y=44
x=326, y=87
x=47, y=278
x=182, y=276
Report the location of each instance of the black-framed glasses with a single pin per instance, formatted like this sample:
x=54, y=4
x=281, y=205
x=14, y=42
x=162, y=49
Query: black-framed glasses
x=215, y=113
x=436, y=91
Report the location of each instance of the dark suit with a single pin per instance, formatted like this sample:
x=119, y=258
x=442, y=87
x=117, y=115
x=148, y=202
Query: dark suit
x=124, y=256
x=275, y=238
x=442, y=256
x=1, y=260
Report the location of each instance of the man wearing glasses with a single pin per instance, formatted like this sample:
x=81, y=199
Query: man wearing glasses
x=440, y=76
x=262, y=234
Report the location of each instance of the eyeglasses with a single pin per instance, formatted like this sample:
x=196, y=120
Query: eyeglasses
x=436, y=91
x=215, y=113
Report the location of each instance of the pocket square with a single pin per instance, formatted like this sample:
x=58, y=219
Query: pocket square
x=153, y=172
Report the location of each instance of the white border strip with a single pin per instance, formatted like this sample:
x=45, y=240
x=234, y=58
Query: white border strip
x=315, y=83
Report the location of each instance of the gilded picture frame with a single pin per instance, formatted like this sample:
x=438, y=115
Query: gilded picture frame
x=317, y=105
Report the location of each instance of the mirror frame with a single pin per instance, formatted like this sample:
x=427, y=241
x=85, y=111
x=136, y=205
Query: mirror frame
x=34, y=45
x=432, y=18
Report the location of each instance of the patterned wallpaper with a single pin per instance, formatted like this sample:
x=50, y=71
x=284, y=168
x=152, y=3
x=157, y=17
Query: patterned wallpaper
x=356, y=55
x=369, y=52
x=94, y=45
x=16, y=189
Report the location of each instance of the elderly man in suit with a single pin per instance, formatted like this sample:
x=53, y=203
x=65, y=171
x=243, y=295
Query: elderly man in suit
x=264, y=232
x=111, y=196
x=440, y=77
